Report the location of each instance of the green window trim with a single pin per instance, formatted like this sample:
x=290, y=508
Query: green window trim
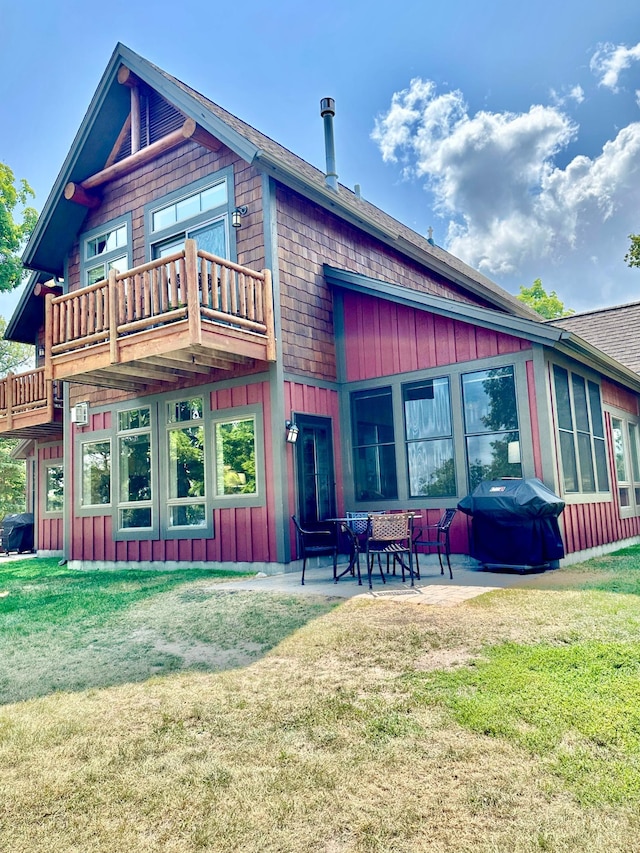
x=53, y=488
x=108, y=246
x=625, y=434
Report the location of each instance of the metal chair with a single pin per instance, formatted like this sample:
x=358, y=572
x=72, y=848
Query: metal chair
x=390, y=536
x=439, y=539
x=316, y=543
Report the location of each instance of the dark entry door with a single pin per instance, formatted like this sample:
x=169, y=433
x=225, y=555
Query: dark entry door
x=314, y=463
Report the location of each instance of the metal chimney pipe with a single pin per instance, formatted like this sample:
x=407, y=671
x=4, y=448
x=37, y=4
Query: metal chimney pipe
x=327, y=111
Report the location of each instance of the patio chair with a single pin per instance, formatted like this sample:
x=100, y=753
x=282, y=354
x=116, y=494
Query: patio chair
x=438, y=539
x=316, y=543
x=390, y=536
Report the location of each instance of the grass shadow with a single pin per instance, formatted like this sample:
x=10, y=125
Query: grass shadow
x=63, y=630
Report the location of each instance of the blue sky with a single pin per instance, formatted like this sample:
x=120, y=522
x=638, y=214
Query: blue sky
x=511, y=129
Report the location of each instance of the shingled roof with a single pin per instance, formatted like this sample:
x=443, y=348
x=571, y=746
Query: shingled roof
x=613, y=330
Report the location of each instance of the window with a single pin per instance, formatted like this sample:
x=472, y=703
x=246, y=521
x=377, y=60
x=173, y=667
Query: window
x=627, y=458
x=135, y=508
x=200, y=214
x=580, y=432
x=53, y=487
x=429, y=438
x=374, y=461
x=235, y=448
x=186, y=481
x=95, y=463
x=492, y=436
x=104, y=249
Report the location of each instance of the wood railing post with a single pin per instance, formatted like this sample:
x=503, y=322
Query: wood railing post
x=193, y=291
x=48, y=335
x=9, y=400
x=267, y=297
x=112, y=287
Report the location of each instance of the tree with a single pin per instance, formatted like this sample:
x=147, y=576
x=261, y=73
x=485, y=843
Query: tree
x=632, y=258
x=548, y=305
x=14, y=357
x=13, y=234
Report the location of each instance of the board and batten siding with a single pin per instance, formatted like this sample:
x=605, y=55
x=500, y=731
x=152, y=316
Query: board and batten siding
x=241, y=534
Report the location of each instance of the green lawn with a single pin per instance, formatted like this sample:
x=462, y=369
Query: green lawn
x=273, y=724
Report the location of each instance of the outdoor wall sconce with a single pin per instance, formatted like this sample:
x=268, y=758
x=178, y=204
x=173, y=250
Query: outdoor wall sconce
x=237, y=214
x=41, y=352
x=292, y=431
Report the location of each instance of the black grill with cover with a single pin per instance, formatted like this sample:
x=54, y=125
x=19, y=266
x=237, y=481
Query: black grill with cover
x=16, y=533
x=515, y=524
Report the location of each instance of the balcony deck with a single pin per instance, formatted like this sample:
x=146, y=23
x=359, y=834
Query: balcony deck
x=178, y=317
x=30, y=406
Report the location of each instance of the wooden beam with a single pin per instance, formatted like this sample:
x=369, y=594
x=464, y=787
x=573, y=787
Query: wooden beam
x=124, y=132
x=204, y=138
x=76, y=193
x=44, y=289
x=135, y=119
x=126, y=77
x=145, y=155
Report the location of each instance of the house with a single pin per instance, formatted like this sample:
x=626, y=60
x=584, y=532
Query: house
x=198, y=289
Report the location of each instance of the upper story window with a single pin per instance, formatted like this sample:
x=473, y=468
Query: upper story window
x=429, y=438
x=583, y=453
x=199, y=213
x=103, y=249
x=491, y=425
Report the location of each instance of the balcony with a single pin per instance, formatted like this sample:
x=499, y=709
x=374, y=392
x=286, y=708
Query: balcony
x=181, y=317
x=30, y=406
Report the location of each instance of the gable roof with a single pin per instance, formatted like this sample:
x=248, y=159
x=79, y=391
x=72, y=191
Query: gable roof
x=613, y=330
x=61, y=219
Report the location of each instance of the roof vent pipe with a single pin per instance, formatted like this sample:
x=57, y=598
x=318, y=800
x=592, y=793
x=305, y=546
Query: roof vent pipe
x=327, y=111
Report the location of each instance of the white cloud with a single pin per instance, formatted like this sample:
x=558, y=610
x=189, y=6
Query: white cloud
x=571, y=93
x=511, y=210
x=610, y=60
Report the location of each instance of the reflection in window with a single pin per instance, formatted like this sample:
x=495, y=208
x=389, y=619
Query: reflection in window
x=625, y=447
x=580, y=432
x=105, y=252
x=428, y=433
x=491, y=425
x=186, y=465
x=235, y=446
x=373, y=445
x=96, y=473
x=54, y=488
x=134, y=455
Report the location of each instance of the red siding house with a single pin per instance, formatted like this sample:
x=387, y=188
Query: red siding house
x=197, y=288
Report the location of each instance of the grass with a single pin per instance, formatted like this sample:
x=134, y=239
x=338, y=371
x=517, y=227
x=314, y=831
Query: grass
x=509, y=723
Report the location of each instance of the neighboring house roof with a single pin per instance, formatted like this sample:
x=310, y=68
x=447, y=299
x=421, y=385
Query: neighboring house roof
x=613, y=330
x=61, y=219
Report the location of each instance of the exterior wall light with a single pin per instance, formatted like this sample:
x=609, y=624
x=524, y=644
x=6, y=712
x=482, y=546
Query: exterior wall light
x=292, y=431
x=237, y=214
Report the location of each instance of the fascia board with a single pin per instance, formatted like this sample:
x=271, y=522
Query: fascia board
x=575, y=347
x=465, y=312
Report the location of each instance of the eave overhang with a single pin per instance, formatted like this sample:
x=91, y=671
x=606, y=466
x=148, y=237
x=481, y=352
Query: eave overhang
x=28, y=316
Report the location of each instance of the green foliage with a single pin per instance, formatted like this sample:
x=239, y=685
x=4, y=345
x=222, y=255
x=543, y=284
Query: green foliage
x=14, y=357
x=548, y=305
x=13, y=234
x=12, y=480
x=632, y=258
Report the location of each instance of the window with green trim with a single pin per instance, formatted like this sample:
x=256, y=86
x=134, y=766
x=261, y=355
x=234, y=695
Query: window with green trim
x=104, y=249
x=95, y=464
x=135, y=498
x=186, y=489
x=583, y=453
x=53, y=487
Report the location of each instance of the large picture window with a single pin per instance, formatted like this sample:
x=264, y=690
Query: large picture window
x=95, y=464
x=374, y=460
x=580, y=433
x=429, y=438
x=53, y=487
x=491, y=429
x=235, y=446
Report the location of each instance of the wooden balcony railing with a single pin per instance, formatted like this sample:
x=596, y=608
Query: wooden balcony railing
x=30, y=405
x=188, y=312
